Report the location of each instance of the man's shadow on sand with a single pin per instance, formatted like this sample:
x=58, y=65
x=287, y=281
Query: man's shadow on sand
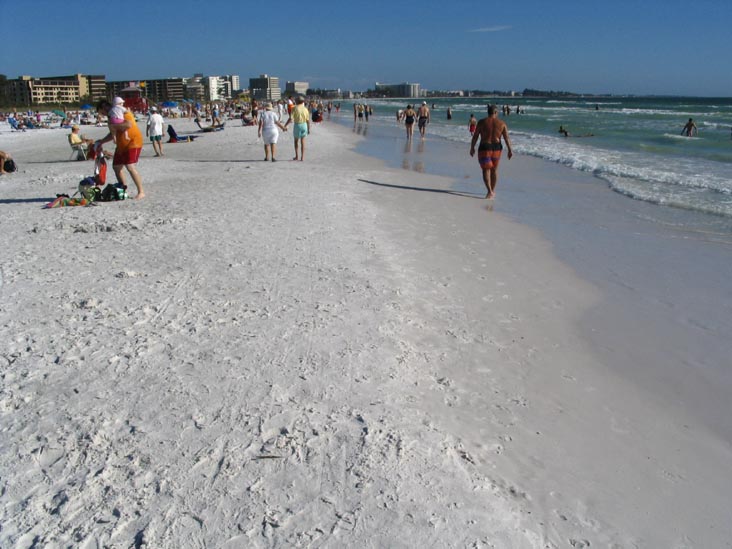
x=221, y=161
x=25, y=200
x=423, y=189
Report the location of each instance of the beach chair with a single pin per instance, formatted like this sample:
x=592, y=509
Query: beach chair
x=78, y=151
x=14, y=124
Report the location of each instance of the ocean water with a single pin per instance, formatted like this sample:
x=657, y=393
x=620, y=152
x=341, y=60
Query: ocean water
x=634, y=144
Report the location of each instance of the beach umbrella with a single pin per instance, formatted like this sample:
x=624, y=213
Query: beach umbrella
x=170, y=104
x=86, y=107
x=62, y=114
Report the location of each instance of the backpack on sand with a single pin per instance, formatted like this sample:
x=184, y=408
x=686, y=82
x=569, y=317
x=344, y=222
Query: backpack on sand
x=10, y=166
x=113, y=192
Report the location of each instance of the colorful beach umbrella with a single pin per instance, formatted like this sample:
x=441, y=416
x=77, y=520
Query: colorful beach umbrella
x=170, y=104
x=86, y=107
x=60, y=113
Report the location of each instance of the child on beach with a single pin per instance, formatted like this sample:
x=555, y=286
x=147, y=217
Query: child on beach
x=115, y=116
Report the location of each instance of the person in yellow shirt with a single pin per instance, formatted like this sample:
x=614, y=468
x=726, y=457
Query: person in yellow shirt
x=300, y=116
x=78, y=140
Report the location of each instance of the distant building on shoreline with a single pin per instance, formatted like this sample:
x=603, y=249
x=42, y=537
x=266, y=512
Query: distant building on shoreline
x=156, y=91
x=28, y=90
x=296, y=88
x=398, y=90
x=265, y=88
x=221, y=88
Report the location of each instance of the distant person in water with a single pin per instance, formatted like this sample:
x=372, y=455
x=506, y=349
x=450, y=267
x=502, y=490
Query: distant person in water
x=410, y=116
x=690, y=129
x=423, y=118
x=449, y=113
x=472, y=123
x=490, y=130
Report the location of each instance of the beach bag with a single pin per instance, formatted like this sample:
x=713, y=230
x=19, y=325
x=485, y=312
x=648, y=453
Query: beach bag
x=10, y=165
x=113, y=192
x=88, y=189
x=100, y=169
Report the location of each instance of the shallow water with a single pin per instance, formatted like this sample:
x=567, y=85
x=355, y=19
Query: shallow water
x=634, y=144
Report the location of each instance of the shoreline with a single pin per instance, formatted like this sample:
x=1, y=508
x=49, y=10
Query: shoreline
x=667, y=352
x=589, y=226
x=330, y=352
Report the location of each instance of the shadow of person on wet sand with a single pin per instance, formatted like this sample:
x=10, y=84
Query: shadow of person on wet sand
x=423, y=189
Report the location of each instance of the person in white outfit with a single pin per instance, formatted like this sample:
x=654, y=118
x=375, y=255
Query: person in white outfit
x=269, y=123
x=155, y=130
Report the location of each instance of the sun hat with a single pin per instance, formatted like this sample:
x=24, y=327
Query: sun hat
x=74, y=127
x=118, y=101
x=153, y=108
x=268, y=107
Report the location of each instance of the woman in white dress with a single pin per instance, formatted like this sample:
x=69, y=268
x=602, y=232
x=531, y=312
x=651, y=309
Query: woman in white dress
x=269, y=123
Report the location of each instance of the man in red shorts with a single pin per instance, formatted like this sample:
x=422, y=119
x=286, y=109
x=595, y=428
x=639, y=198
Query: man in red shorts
x=128, y=139
x=490, y=130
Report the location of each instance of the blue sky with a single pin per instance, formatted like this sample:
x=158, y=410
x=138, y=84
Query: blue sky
x=664, y=47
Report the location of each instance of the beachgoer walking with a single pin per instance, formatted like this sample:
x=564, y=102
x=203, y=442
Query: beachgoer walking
x=409, y=117
x=690, y=129
x=215, y=116
x=129, y=146
x=268, y=124
x=300, y=116
x=490, y=130
x=472, y=123
x=424, y=118
x=154, y=130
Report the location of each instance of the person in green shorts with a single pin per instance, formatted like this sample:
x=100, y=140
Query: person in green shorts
x=300, y=116
x=155, y=130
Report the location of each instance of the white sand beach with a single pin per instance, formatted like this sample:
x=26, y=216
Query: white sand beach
x=338, y=353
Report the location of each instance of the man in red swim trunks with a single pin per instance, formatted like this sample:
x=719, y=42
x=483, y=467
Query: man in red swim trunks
x=128, y=138
x=490, y=130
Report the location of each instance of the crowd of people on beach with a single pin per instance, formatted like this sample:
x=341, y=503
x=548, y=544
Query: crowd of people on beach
x=489, y=133
x=268, y=118
x=127, y=137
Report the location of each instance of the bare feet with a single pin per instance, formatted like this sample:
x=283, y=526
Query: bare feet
x=296, y=158
x=139, y=196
